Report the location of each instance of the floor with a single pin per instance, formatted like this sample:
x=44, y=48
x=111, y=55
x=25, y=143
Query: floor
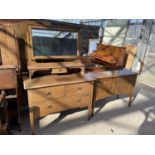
x=112, y=117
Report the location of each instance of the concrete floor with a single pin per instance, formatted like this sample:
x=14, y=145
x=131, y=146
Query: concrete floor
x=112, y=117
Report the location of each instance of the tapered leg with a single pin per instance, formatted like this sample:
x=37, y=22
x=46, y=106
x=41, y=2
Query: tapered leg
x=32, y=121
x=130, y=100
x=19, y=118
x=19, y=121
x=90, y=112
x=93, y=99
x=117, y=96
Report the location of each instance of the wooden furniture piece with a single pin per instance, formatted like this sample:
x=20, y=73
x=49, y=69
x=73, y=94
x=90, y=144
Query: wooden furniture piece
x=32, y=57
x=53, y=49
x=4, y=125
x=8, y=81
x=52, y=55
x=52, y=94
x=116, y=82
x=8, y=45
x=131, y=54
x=55, y=68
x=109, y=55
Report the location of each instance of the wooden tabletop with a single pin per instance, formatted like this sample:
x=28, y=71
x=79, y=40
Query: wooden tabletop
x=55, y=80
x=52, y=80
x=114, y=73
x=40, y=66
x=7, y=67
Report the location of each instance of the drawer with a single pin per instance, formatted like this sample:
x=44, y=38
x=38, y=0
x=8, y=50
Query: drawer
x=125, y=81
x=104, y=88
x=124, y=85
x=102, y=92
x=61, y=104
x=105, y=83
x=78, y=88
x=124, y=90
x=42, y=94
x=59, y=70
x=8, y=79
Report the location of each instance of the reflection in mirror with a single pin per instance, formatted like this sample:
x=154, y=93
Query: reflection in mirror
x=54, y=43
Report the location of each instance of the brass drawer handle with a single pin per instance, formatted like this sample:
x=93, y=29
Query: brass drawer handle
x=79, y=100
x=50, y=107
x=49, y=93
x=79, y=88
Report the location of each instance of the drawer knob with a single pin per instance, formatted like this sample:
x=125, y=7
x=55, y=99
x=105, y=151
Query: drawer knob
x=49, y=93
x=79, y=100
x=79, y=88
x=86, y=95
x=49, y=107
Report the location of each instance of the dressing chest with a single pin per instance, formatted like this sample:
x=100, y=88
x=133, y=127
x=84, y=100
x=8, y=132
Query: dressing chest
x=52, y=94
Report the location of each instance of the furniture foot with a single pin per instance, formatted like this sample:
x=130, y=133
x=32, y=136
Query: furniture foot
x=91, y=107
x=32, y=121
x=90, y=113
x=117, y=96
x=130, y=101
x=89, y=117
x=19, y=120
x=7, y=118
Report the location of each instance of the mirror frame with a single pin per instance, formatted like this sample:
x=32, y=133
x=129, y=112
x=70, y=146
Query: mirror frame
x=31, y=57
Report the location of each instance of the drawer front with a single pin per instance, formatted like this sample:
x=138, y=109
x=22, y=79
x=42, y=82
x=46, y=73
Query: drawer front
x=125, y=81
x=59, y=70
x=78, y=88
x=42, y=94
x=104, y=88
x=124, y=85
x=8, y=79
x=61, y=104
x=105, y=83
x=124, y=90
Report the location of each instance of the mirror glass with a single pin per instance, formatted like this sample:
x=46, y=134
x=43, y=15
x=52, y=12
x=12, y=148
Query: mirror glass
x=54, y=43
